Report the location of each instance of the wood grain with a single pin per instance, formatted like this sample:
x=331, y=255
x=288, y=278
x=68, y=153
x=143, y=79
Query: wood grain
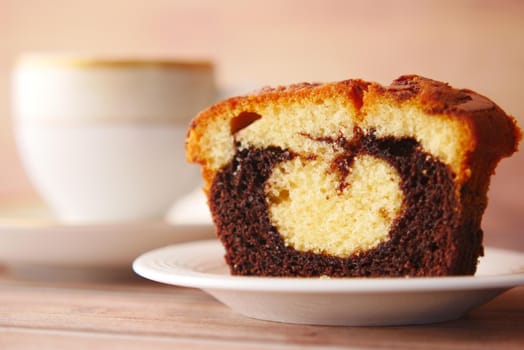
x=140, y=314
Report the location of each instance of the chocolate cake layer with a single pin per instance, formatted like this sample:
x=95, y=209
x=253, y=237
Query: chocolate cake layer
x=421, y=240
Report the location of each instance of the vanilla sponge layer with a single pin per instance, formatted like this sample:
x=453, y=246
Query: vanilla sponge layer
x=314, y=214
x=289, y=126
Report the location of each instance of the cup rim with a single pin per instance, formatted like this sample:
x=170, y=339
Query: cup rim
x=86, y=61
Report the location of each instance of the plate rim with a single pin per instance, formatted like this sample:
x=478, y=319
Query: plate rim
x=186, y=277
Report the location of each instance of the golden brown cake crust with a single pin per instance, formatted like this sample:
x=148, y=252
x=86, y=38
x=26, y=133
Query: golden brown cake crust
x=495, y=133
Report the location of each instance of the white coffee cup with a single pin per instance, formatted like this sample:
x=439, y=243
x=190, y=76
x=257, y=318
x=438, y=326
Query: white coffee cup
x=102, y=140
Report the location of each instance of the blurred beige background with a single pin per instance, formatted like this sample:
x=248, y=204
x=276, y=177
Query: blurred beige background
x=474, y=44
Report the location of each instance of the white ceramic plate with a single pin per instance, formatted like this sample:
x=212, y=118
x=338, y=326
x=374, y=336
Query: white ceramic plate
x=344, y=301
x=33, y=244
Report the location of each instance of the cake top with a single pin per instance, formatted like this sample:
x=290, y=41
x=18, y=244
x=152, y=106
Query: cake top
x=412, y=106
x=438, y=97
x=434, y=96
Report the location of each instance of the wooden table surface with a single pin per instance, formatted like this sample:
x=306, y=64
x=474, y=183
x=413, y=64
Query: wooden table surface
x=142, y=315
x=138, y=314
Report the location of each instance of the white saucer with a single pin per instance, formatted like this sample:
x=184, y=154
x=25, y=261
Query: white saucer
x=350, y=301
x=33, y=244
